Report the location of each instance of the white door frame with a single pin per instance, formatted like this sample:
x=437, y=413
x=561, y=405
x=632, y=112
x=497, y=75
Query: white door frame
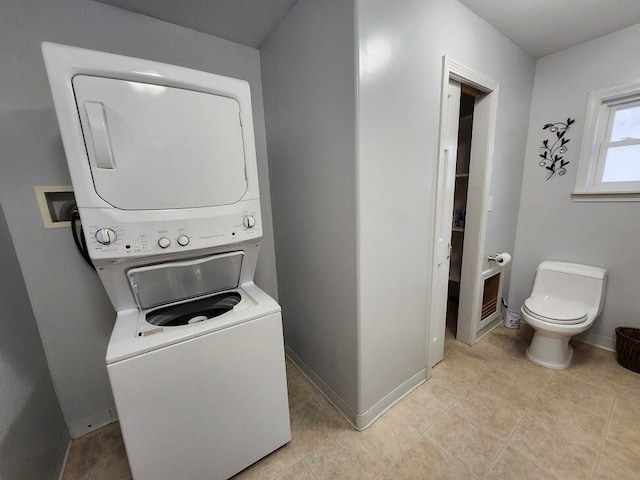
x=482, y=145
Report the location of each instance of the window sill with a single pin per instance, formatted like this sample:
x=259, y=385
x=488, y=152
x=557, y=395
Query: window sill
x=606, y=196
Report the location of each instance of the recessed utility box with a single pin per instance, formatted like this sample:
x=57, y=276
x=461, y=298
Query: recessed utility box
x=55, y=205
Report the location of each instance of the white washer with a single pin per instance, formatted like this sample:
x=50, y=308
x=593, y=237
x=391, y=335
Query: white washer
x=204, y=400
x=163, y=164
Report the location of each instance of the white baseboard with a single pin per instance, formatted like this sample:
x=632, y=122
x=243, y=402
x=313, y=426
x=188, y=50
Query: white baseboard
x=363, y=420
x=92, y=422
x=606, y=343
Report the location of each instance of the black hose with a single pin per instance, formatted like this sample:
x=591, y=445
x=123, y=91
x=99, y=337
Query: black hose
x=81, y=243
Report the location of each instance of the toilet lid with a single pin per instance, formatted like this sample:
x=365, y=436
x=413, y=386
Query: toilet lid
x=555, y=309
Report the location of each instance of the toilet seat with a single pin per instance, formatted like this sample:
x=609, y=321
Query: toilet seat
x=555, y=310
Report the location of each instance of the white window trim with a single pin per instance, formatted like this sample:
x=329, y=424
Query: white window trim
x=588, y=188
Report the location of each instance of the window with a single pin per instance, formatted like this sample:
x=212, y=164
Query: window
x=609, y=166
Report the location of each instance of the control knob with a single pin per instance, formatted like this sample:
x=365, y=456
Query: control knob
x=183, y=240
x=249, y=221
x=164, y=242
x=106, y=236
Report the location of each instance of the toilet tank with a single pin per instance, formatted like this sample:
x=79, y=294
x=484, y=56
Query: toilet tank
x=572, y=281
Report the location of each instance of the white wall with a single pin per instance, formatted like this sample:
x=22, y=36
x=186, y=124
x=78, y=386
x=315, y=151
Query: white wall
x=33, y=436
x=308, y=74
x=401, y=45
x=73, y=313
x=551, y=225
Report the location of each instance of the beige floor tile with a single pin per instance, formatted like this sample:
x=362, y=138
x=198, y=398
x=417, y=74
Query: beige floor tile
x=300, y=391
x=521, y=369
x=513, y=465
x=111, y=461
x=272, y=465
x=452, y=377
x=462, y=364
x=446, y=390
x=343, y=457
x=298, y=472
x=594, y=366
x=518, y=391
x=80, y=459
x=425, y=460
x=568, y=419
x=466, y=441
x=388, y=437
x=568, y=457
x=625, y=418
x=582, y=394
x=618, y=462
x=420, y=408
x=630, y=383
x=314, y=423
x=493, y=412
x=387, y=476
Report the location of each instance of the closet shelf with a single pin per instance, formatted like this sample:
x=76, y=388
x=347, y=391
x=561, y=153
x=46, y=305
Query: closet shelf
x=457, y=229
x=462, y=175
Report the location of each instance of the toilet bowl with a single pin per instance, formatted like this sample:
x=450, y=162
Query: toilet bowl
x=565, y=300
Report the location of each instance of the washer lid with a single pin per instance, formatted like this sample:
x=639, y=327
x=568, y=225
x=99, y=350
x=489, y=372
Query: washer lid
x=165, y=283
x=555, y=309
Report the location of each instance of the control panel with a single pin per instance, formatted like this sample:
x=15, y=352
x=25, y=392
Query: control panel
x=109, y=239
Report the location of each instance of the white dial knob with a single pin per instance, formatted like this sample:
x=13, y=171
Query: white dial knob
x=106, y=236
x=183, y=240
x=249, y=221
x=164, y=242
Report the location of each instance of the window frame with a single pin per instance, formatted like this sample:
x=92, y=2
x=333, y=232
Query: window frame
x=601, y=109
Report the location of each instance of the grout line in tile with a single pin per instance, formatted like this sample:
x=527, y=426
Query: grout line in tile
x=603, y=442
x=452, y=459
x=91, y=459
x=411, y=444
x=506, y=443
x=309, y=468
x=399, y=456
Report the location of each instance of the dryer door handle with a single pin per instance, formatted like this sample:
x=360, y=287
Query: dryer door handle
x=100, y=135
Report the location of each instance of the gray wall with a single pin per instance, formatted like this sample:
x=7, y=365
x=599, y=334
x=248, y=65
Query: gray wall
x=73, y=313
x=308, y=75
x=551, y=225
x=401, y=45
x=33, y=436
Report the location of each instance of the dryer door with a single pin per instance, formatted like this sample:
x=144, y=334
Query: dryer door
x=155, y=147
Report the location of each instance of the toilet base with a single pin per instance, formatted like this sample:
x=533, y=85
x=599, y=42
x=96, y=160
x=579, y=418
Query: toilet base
x=551, y=350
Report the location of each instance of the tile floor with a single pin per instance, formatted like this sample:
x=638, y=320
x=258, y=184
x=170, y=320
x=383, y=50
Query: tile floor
x=487, y=413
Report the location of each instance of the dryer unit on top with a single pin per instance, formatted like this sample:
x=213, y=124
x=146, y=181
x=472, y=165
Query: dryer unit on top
x=152, y=149
x=163, y=165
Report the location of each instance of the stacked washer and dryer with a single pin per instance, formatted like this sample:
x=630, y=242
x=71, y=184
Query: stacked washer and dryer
x=163, y=164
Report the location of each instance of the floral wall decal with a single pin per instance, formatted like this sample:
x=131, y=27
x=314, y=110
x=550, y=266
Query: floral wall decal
x=553, y=154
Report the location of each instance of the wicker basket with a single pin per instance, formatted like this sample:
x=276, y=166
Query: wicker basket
x=628, y=347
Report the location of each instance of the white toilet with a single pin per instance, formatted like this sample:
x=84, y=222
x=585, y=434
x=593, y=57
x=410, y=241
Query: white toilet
x=566, y=299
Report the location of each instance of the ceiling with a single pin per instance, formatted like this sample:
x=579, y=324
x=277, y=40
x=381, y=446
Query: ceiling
x=247, y=22
x=542, y=27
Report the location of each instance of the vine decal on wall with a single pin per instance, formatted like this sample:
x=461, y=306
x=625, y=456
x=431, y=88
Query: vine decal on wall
x=553, y=154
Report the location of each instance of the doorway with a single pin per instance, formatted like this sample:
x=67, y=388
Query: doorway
x=464, y=134
x=467, y=126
